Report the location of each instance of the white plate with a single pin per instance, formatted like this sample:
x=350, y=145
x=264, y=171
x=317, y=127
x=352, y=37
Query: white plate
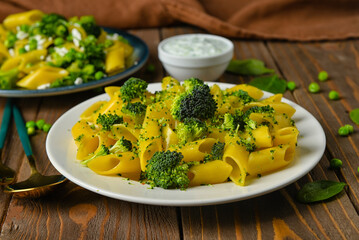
x=61, y=150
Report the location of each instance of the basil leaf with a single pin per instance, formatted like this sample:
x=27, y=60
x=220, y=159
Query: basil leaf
x=273, y=84
x=319, y=190
x=354, y=115
x=249, y=67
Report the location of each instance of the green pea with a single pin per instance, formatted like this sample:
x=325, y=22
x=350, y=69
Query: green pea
x=31, y=131
x=24, y=28
x=22, y=50
x=314, y=87
x=61, y=31
x=333, y=95
x=99, y=75
x=46, y=127
x=59, y=41
x=322, y=76
x=33, y=44
x=343, y=131
x=349, y=127
x=336, y=163
x=291, y=85
x=40, y=123
x=30, y=124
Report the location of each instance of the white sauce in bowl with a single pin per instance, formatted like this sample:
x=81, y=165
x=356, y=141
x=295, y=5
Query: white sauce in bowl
x=195, y=46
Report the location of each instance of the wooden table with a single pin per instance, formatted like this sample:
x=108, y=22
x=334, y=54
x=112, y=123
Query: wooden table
x=76, y=213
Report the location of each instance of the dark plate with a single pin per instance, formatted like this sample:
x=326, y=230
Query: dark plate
x=138, y=58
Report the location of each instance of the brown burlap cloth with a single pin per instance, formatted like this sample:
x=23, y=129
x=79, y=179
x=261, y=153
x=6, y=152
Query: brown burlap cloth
x=251, y=19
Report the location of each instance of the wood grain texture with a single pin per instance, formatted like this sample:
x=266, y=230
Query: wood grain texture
x=75, y=213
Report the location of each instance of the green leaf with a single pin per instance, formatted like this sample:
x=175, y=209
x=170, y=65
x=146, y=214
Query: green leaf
x=249, y=67
x=354, y=115
x=319, y=190
x=273, y=84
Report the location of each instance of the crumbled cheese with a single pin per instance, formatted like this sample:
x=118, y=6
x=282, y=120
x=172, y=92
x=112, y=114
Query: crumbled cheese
x=44, y=86
x=40, y=41
x=112, y=37
x=21, y=35
x=27, y=47
x=76, y=36
x=11, y=52
x=78, y=81
x=63, y=71
x=42, y=57
x=61, y=51
x=48, y=58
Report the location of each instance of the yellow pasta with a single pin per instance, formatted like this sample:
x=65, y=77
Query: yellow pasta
x=245, y=138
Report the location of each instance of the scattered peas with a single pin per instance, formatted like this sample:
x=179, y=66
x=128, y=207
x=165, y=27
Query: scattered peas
x=30, y=131
x=345, y=130
x=30, y=124
x=322, y=76
x=314, y=87
x=336, y=163
x=333, y=95
x=46, y=127
x=291, y=85
x=99, y=75
x=59, y=41
x=40, y=123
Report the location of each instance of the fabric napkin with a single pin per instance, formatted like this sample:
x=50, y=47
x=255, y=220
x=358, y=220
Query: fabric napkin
x=301, y=20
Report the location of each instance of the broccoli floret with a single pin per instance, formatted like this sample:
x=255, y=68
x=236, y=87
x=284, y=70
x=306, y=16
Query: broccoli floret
x=133, y=88
x=88, y=23
x=191, y=83
x=8, y=78
x=10, y=40
x=102, y=152
x=197, y=103
x=243, y=96
x=122, y=145
x=250, y=146
x=216, y=152
x=233, y=122
x=136, y=111
x=53, y=25
x=167, y=170
x=108, y=120
x=190, y=130
x=93, y=51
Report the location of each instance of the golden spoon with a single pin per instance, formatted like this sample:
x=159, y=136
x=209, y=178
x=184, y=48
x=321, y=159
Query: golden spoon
x=36, y=185
x=7, y=175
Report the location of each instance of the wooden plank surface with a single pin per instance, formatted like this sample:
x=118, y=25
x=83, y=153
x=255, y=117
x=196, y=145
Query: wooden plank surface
x=76, y=213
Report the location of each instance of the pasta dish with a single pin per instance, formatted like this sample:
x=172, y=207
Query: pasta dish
x=187, y=134
x=40, y=51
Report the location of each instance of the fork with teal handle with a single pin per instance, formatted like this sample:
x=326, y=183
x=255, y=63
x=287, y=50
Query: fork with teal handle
x=7, y=175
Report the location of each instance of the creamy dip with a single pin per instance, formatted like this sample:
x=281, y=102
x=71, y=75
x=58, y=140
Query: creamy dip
x=195, y=46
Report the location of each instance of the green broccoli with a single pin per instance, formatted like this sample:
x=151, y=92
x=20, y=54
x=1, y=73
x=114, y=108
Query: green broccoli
x=196, y=103
x=8, y=78
x=89, y=25
x=191, y=83
x=10, y=40
x=167, y=170
x=191, y=129
x=133, y=88
x=102, y=152
x=136, y=111
x=216, y=152
x=108, y=120
x=122, y=145
x=93, y=51
x=52, y=25
x=242, y=95
x=233, y=122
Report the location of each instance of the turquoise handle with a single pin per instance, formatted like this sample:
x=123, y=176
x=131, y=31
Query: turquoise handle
x=21, y=129
x=5, y=122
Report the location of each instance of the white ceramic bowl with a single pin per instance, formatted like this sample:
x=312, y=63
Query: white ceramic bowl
x=195, y=60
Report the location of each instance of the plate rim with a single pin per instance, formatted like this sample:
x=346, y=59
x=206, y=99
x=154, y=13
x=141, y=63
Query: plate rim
x=190, y=202
x=142, y=59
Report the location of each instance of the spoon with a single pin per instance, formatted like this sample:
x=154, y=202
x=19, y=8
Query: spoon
x=36, y=185
x=7, y=175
